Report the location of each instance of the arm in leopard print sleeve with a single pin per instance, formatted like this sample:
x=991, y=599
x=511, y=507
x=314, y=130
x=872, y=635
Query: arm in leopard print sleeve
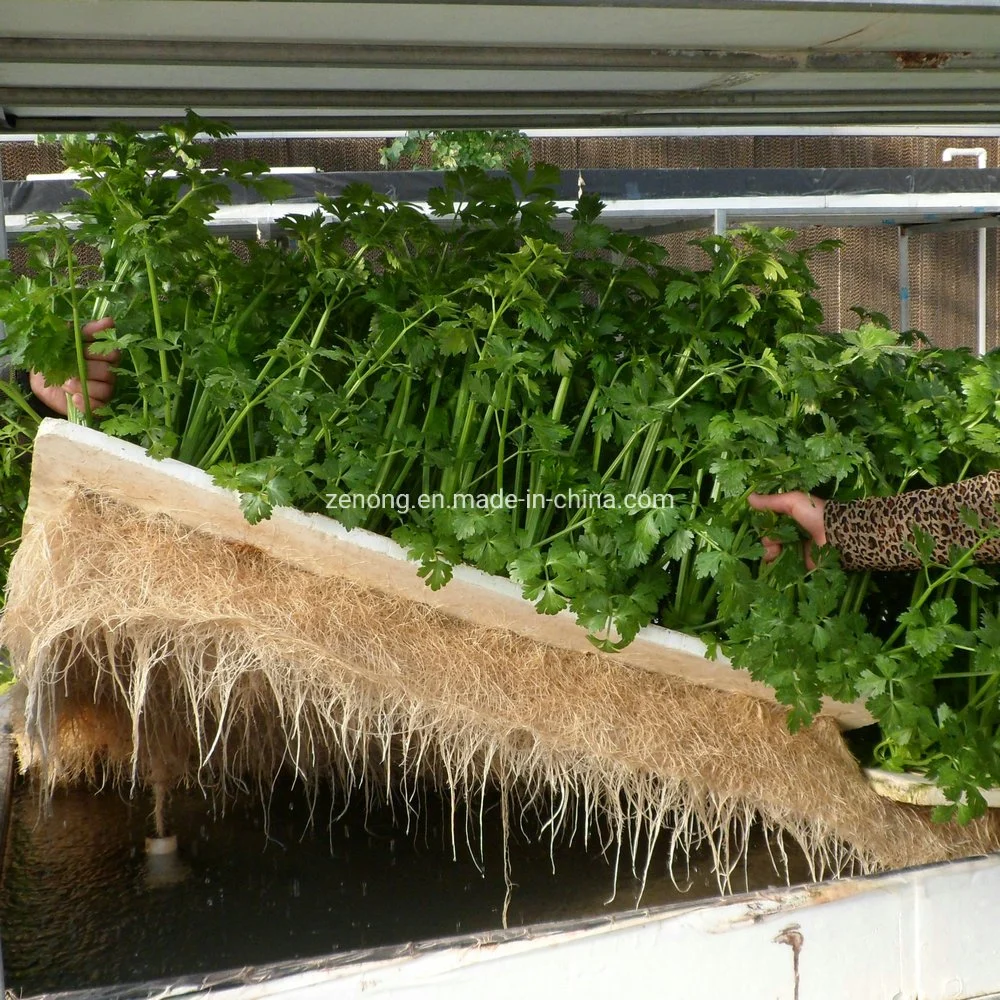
x=873, y=533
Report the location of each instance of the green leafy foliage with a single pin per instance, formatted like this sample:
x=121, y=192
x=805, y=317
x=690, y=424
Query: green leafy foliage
x=546, y=398
x=449, y=149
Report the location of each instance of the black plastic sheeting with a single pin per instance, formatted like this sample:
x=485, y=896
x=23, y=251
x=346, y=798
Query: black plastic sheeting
x=27, y=197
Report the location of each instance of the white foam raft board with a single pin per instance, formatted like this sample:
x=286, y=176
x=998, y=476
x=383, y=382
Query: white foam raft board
x=69, y=456
x=916, y=790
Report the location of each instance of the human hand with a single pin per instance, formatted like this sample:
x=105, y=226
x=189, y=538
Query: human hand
x=100, y=377
x=803, y=508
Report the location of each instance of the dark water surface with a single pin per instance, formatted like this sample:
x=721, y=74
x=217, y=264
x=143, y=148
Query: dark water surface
x=80, y=904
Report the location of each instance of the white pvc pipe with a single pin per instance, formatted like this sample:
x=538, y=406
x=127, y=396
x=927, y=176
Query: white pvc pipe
x=161, y=845
x=980, y=154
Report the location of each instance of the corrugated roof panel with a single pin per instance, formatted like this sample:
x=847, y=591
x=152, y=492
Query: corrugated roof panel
x=68, y=63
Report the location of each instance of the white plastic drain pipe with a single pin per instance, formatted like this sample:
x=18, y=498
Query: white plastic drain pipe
x=161, y=845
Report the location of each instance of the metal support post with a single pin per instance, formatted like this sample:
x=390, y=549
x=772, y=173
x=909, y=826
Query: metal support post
x=904, y=279
x=3, y=212
x=980, y=154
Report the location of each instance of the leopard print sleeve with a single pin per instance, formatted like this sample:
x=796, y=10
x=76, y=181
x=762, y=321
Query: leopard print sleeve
x=873, y=533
